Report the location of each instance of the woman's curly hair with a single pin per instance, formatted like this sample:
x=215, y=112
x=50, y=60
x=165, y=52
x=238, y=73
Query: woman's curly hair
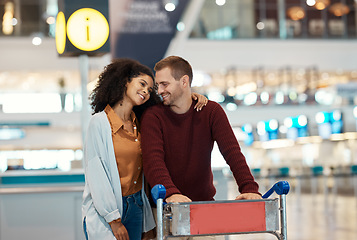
x=111, y=86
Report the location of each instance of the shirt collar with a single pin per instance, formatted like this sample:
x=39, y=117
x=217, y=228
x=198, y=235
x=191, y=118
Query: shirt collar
x=115, y=121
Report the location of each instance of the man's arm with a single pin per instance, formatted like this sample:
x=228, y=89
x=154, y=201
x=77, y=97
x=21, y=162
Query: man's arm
x=152, y=144
x=230, y=149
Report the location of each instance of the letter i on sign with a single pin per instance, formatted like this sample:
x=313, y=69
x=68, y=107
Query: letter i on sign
x=88, y=30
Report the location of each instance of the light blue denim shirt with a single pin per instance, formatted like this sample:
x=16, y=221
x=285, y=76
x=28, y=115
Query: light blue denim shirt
x=102, y=197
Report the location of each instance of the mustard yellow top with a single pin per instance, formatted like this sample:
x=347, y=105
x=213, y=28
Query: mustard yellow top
x=127, y=149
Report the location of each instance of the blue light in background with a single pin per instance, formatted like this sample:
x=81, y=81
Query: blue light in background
x=11, y=133
x=296, y=126
x=268, y=130
x=355, y=114
x=248, y=130
x=272, y=128
x=329, y=123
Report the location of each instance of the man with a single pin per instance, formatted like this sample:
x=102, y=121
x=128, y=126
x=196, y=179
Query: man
x=177, y=141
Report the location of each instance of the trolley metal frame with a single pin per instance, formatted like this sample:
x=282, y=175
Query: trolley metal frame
x=222, y=217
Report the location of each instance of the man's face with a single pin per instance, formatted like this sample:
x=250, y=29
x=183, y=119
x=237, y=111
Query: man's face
x=169, y=88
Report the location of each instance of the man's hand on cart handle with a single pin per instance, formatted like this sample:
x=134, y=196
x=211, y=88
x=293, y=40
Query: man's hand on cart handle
x=248, y=196
x=177, y=198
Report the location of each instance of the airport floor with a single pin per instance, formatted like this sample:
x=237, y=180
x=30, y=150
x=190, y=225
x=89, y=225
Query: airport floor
x=321, y=216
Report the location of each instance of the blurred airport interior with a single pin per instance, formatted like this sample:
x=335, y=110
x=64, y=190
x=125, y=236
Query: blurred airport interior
x=285, y=71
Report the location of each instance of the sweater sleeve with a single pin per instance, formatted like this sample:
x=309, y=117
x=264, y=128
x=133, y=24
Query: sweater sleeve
x=152, y=144
x=229, y=147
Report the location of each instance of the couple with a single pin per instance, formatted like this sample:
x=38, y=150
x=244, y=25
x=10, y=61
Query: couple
x=172, y=146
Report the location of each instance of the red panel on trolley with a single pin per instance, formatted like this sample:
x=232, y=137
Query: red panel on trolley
x=227, y=217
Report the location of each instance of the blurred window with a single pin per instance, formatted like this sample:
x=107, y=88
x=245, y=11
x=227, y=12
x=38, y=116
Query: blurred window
x=238, y=19
x=31, y=103
x=28, y=17
x=38, y=159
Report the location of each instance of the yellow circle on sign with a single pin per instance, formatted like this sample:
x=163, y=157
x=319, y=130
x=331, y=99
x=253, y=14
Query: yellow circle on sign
x=87, y=29
x=60, y=33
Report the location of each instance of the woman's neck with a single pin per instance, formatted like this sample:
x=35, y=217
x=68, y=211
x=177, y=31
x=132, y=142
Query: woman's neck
x=123, y=110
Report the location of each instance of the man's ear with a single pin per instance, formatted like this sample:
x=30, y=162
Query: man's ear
x=185, y=81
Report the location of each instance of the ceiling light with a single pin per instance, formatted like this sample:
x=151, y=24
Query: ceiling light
x=296, y=13
x=260, y=25
x=265, y=97
x=50, y=20
x=273, y=124
x=302, y=120
x=310, y=2
x=37, y=39
x=170, y=5
x=180, y=26
x=231, y=107
x=279, y=97
x=220, y=2
x=321, y=4
x=7, y=22
x=339, y=9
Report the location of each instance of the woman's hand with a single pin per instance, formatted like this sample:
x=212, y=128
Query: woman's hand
x=119, y=230
x=201, y=101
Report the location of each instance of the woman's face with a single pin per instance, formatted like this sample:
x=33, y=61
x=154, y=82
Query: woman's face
x=139, y=89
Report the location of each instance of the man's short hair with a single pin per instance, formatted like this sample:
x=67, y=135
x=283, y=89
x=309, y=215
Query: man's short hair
x=179, y=67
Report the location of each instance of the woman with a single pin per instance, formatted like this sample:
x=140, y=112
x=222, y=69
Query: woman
x=115, y=205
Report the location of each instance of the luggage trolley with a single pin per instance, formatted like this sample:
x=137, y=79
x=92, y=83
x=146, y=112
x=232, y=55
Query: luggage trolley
x=222, y=217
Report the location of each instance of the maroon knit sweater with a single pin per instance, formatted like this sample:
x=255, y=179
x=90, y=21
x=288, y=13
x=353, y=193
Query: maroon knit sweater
x=177, y=150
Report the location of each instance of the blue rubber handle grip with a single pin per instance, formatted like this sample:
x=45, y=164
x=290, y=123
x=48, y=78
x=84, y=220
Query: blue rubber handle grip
x=281, y=187
x=158, y=191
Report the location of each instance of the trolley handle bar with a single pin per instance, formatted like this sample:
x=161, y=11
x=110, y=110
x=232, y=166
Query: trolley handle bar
x=281, y=188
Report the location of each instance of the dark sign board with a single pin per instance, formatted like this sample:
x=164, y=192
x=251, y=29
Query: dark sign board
x=147, y=30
